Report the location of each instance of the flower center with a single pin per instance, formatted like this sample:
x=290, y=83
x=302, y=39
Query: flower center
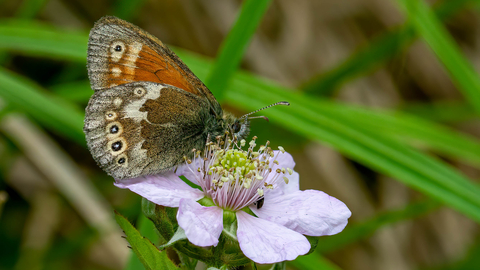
x=235, y=178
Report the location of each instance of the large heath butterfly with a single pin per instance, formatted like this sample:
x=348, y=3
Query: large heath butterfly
x=148, y=110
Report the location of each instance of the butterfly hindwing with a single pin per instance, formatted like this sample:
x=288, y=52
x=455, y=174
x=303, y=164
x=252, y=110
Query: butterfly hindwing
x=144, y=128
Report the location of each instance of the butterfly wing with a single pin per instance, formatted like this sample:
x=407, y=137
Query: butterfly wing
x=144, y=128
x=120, y=52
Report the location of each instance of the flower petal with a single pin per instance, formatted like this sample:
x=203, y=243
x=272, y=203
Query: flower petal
x=309, y=212
x=266, y=242
x=163, y=189
x=202, y=225
x=285, y=160
x=283, y=188
x=186, y=170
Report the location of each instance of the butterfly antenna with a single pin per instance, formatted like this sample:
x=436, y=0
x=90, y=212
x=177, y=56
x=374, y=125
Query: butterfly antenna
x=274, y=104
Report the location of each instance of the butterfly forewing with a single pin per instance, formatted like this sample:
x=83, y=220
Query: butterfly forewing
x=144, y=128
x=120, y=52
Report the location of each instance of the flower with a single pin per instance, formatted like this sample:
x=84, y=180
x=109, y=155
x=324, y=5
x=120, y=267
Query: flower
x=235, y=180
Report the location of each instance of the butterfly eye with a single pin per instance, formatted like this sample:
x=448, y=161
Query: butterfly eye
x=236, y=126
x=139, y=91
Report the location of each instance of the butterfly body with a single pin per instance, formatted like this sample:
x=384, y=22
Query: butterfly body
x=148, y=110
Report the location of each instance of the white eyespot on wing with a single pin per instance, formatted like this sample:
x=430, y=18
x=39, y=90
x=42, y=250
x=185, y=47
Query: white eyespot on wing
x=110, y=115
x=116, y=71
x=117, y=49
x=132, y=110
x=139, y=91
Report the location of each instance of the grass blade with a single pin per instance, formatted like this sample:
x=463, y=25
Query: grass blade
x=356, y=232
x=367, y=59
x=311, y=119
x=431, y=29
x=308, y=117
x=313, y=261
x=43, y=40
x=47, y=109
x=235, y=44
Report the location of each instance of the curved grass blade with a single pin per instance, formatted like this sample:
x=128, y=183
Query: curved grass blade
x=47, y=109
x=308, y=117
x=234, y=46
x=430, y=28
x=43, y=40
x=369, y=58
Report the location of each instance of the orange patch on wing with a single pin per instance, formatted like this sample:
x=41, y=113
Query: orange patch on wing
x=149, y=66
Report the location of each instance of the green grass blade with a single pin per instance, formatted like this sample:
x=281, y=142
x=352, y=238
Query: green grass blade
x=431, y=29
x=355, y=232
x=43, y=40
x=311, y=119
x=308, y=117
x=412, y=130
x=127, y=9
x=313, y=261
x=441, y=111
x=47, y=109
x=367, y=59
x=235, y=44
x=30, y=8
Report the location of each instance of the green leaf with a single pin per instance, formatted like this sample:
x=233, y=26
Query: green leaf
x=178, y=236
x=372, y=56
x=432, y=30
x=47, y=109
x=146, y=228
x=148, y=254
x=235, y=44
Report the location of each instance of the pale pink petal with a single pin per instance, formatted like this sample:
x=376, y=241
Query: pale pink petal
x=283, y=188
x=163, y=189
x=285, y=160
x=308, y=212
x=202, y=225
x=188, y=171
x=266, y=242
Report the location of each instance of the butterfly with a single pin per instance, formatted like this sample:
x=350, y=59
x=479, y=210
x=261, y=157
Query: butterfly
x=148, y=110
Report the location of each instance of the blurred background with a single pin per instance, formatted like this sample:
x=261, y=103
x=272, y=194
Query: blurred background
x=384, y=116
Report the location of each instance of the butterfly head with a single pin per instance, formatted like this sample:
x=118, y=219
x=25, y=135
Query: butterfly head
x=239, y=127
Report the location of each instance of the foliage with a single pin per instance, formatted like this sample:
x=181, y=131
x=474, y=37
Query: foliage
x=414, y=148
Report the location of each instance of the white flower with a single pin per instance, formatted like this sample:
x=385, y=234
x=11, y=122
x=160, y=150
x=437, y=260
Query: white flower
x=263, y=181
